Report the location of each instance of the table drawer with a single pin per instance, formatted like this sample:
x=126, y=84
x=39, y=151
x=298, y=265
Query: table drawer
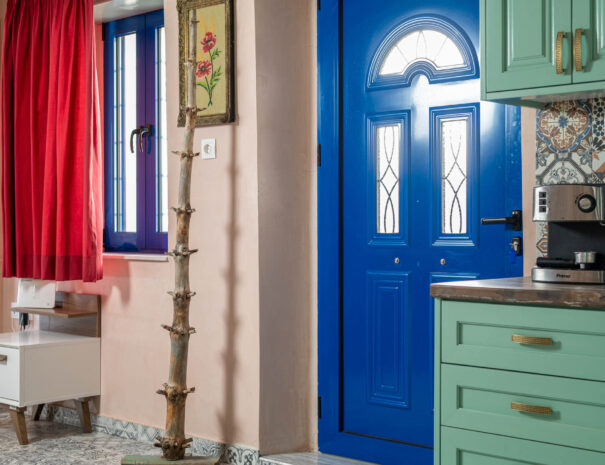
x=460, y=447
x=564, y=411
x=553, y=341
x=9, y=373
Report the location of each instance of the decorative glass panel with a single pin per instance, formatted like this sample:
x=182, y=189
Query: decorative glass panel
x=162, y=153
x=387, y=179
x=423, y=45
x=125, y=113
x=454, y=160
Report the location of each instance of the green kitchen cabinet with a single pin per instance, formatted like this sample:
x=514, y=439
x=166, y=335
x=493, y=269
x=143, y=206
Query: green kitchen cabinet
x=589, y=23
x=536, y=51
x=461, y=447
x=518, y=384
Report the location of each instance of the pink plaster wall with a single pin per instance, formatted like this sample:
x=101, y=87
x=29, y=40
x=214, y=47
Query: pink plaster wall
x=224, y=354
x=256, y=217
x=285, y=84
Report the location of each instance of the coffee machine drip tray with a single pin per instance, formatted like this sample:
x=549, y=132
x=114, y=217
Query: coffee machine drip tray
x=562, y=275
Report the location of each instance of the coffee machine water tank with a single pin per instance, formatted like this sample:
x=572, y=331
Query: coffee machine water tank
x=569, y=202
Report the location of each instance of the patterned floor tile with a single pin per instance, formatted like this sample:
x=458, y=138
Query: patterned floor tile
x=56, y=444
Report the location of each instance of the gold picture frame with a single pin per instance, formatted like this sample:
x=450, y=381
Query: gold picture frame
x=215, y=81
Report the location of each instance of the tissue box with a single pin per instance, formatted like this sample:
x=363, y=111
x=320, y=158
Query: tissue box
x=33, y=293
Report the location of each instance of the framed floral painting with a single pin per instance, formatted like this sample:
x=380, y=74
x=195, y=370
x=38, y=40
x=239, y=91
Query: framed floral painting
x=214, y=73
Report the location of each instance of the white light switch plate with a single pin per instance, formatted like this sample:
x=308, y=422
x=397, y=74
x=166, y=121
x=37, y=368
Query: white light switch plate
x=208, y=149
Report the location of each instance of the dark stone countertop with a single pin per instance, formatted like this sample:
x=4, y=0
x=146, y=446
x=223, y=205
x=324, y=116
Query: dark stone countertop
x=522, y=291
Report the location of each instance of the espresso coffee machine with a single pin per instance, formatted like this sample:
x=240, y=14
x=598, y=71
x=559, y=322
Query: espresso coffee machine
x=575, y=214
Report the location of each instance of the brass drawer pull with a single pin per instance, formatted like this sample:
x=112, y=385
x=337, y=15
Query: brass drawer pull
x=534, y=341
x=3, y=358
x=519, y=407
x=559, y=52
x=577, y=49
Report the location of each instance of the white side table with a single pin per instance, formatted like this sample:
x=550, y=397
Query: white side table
x=39, y=367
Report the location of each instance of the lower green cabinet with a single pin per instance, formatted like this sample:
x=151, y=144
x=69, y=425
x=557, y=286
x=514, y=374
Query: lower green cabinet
x=461, y=447
x=565, y=411
x=505, y=391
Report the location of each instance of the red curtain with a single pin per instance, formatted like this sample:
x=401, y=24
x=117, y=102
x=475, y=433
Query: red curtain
x=52, y=166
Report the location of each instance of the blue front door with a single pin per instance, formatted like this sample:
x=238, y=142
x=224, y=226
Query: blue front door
x=422, y=162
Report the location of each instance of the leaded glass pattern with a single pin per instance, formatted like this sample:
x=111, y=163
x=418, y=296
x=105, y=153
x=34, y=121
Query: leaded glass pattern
x=388, y=142
x=426, y=45
x=454, y=172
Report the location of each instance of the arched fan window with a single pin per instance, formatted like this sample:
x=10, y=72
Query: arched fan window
x=432, y=46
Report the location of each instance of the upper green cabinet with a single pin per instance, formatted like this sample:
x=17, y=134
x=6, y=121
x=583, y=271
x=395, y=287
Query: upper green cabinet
x=542, y=50
x=588, y=22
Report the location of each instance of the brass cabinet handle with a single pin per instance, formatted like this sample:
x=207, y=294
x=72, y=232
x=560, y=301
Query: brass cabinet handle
x=531, y=340
x=577, y=49
x=519, y=407
x=3, y=358
x=559, y=52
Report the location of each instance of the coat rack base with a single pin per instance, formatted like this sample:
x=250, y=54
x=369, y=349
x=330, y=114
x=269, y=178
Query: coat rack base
x=156, y=460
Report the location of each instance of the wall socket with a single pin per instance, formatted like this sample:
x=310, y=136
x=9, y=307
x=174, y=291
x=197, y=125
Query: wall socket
x=208, y=149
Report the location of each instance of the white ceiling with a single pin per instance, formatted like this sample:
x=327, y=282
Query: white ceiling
x=110, y=10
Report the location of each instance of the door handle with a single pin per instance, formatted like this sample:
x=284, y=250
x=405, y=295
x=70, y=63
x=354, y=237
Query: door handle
x=527, y=408
x=134, y=132
x=140, y=132
x=531, y=340
x=146, y=130
x=577, y=49
x=515, y=220
x=3, y=358
x=559, y=52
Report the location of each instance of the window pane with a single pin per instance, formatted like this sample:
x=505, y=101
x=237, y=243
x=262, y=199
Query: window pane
x=387, y=182
x=162, y=152
x=454, y=155
x=424, y=45
x=125, y=108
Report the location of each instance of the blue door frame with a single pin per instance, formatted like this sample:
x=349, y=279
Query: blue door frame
x=332, y=438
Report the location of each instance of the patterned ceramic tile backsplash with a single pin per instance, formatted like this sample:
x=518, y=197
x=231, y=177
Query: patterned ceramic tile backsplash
x=570, y=148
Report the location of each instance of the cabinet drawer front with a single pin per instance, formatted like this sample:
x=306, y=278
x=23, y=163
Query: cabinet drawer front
x=459, y=447
x=9, y=373
x=564, y=411
x=496, y=336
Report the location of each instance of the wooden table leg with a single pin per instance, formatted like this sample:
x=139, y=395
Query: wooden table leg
x=38, y=411
x=84, y=413
x=18, y=417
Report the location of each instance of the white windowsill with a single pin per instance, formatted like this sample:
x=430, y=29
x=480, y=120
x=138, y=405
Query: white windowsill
x=135, y=257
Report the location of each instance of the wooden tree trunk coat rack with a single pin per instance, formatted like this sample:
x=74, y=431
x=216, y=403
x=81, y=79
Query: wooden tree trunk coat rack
x=174, y=443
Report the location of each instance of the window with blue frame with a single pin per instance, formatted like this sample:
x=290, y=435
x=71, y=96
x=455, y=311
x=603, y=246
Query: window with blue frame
x=136, y=181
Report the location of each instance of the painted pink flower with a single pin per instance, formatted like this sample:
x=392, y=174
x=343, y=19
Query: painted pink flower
x=209, y=41
x=203, y=68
